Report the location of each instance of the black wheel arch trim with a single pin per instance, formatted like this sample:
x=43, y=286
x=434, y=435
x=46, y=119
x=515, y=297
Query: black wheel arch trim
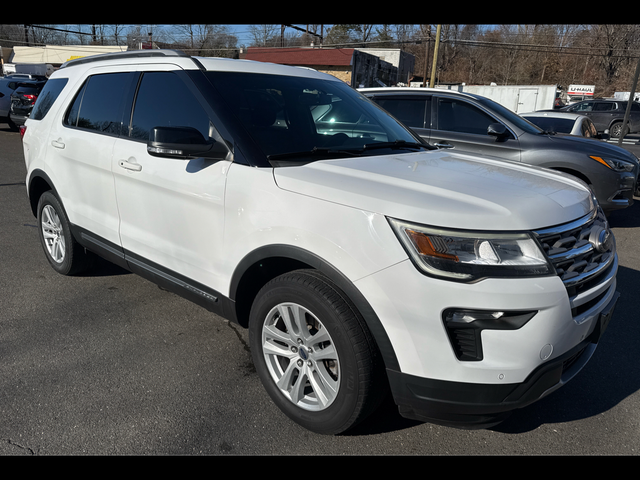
x=305, y=257
x=41, y=174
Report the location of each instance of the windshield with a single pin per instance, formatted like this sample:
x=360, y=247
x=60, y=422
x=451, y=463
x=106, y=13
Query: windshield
x=303, y=119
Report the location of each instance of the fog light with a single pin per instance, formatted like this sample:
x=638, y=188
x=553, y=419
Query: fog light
x=464, y=328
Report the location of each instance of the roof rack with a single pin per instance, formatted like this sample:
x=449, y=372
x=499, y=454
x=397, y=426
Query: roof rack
x=122, y=55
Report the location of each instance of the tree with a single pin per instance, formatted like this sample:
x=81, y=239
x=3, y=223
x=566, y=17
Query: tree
x=265, y=35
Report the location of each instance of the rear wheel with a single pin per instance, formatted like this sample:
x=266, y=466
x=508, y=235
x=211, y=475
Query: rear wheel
x=315, y=357
x=65, y=255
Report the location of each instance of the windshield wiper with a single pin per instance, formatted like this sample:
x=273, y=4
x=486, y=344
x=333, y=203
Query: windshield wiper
x=315, y=151
x=354, y=152
x=396, y=144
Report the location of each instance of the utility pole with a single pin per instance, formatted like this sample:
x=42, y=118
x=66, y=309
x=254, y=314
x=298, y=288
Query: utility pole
x=632, y=95
x=426, y=59
x=435, y=58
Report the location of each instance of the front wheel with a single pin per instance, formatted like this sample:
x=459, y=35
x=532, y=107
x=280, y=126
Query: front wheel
x=616, y=130
x=314, y=355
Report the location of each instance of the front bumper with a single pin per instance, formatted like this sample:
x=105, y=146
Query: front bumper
x=622, y=196
x=517, y=367
x=472, y=405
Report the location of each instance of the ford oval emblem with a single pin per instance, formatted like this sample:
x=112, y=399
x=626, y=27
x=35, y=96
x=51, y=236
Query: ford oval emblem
x=303, y=353
x=603, y=241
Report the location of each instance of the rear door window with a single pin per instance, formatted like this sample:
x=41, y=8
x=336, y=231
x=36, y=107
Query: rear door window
x=604, y=106
x=412, y=112
x=98, y=106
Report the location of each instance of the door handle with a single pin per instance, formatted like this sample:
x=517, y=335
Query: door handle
x=443, y=145
x=130, y=165
x=58, y=143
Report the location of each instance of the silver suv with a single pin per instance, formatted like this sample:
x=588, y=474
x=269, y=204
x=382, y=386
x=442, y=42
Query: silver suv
x=360, y=259
x=475, y=124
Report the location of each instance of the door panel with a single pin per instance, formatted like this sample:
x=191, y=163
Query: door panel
x=171, y=210
x=461, y=126
x=84, y=180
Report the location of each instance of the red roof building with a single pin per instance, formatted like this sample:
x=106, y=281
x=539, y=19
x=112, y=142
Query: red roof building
x=353, y=66
x=307, y=57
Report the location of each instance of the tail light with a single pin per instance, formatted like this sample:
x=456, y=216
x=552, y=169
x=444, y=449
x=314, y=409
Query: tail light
x=23, y=129
x=31, y=98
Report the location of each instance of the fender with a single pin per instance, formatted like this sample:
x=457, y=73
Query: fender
x=269, y=261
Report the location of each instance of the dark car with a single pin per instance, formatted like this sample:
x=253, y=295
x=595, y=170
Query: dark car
x=23, y=99
x=608, y=115
x=475, y=124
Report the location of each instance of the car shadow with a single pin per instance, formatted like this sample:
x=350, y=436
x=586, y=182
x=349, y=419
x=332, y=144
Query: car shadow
x=104, y=268
x=626, y=218
x=4, y=127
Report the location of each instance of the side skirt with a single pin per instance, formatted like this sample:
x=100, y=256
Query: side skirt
x=172, y=281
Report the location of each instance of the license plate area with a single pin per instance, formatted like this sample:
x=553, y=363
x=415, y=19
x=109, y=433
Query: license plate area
x=605, y=318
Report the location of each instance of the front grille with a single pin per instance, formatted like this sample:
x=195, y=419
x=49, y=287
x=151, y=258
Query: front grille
x=583, y=253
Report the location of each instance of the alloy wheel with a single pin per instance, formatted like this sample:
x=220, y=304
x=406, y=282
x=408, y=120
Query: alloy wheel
x=53, y=234
x=301, y=356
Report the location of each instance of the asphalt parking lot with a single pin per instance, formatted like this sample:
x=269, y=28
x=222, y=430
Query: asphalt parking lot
x=110, y=364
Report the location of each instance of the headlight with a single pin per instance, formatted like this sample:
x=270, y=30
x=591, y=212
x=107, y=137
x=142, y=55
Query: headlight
x=469, y=256
x=614, y=164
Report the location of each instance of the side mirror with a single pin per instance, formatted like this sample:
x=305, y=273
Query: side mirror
x=604, y=135
x=497, y=130
x=183, y=143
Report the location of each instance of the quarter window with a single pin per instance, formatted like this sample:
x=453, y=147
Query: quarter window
x=49, y=94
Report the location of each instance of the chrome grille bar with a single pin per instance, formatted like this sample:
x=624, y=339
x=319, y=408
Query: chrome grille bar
x=581, y=251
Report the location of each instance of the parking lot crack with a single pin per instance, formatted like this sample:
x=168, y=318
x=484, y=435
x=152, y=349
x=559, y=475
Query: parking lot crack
x=30, y=451
x=12, y=184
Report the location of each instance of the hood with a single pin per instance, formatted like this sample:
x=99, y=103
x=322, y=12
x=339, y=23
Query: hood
x=592, y=146
x=444, y=189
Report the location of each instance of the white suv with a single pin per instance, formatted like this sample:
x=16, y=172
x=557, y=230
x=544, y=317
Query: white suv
x=361, y=259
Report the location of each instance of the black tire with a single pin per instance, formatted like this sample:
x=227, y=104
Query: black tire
x=352, y=369
x=63, y=252
x=13, y=126
x=616, y=130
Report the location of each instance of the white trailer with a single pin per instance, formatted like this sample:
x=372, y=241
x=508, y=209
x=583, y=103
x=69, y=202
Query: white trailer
x=517, y=98
x=30, y=68
x=625, y=96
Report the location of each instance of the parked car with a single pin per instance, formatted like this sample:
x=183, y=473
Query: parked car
x=608, y=114
x=8, y=84
x=23, y=99
x=474, y=124
x=360, y=259
x=565, y=122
